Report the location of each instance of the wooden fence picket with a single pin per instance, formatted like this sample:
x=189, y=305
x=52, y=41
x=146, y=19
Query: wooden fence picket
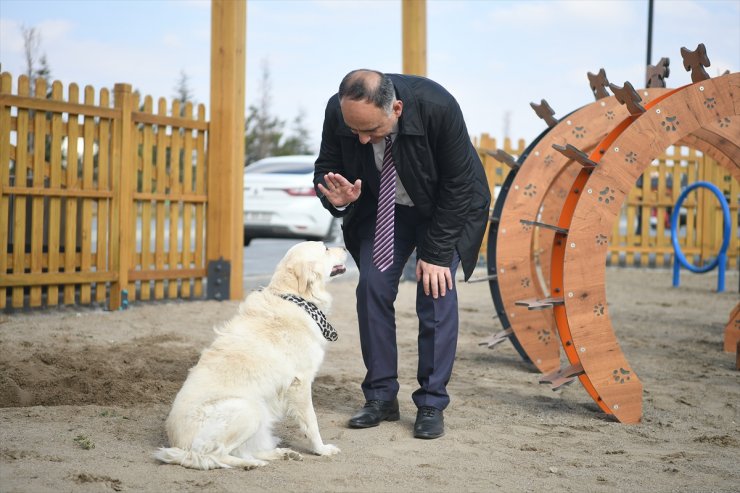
x=6, y=221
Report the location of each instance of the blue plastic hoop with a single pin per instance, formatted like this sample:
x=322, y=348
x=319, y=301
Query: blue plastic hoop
x=680, y=259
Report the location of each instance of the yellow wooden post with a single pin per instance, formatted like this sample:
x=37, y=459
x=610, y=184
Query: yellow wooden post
x=122, y=211
x=224, y=222
x=414, y=38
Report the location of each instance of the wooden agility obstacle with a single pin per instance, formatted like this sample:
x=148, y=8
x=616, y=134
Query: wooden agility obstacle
x=534, y=191
x=702, y=114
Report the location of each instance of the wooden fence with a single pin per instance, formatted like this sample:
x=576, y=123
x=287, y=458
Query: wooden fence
x=99, y=202
x=105, y=201
x=642, y=236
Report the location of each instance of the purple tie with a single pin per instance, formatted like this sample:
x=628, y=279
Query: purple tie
x=383, y=245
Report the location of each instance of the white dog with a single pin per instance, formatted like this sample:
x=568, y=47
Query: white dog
x=259, y=369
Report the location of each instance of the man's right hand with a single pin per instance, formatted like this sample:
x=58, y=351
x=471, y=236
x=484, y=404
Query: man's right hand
x=339, y=191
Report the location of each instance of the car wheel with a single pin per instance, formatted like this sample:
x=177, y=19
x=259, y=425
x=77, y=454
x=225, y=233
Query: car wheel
x=335, y=231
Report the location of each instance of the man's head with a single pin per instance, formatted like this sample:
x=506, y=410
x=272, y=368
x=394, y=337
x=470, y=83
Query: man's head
x=369, y=105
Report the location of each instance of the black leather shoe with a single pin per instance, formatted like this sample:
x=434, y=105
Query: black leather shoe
x=429, y=423
x=375, y=411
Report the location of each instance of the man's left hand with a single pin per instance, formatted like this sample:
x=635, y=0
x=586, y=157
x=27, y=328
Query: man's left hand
x=435, y=279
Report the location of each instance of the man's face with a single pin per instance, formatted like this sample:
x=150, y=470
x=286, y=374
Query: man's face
x=367, y=121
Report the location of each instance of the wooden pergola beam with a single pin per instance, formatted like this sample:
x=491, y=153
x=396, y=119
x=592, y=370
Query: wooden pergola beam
x=224, y=238
x=414, y=38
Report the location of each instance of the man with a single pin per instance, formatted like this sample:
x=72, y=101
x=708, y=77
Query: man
x=396, y=162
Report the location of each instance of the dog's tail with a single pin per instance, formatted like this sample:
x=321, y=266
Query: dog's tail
x=195, y=460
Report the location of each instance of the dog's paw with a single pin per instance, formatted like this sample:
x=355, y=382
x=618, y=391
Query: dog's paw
x=288, y=454
x=254, y=464
x=327, y=449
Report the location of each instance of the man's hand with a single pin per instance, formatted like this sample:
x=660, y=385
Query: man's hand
x=339, y=191
x=435, y=279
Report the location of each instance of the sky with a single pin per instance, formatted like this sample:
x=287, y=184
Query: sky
x=494, y=56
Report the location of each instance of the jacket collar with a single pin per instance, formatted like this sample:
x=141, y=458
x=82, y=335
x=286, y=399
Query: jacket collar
x=410, y=121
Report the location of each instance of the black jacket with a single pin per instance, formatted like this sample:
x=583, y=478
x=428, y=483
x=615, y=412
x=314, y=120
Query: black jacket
x=436, y=162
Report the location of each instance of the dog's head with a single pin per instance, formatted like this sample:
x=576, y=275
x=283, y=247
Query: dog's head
x=305, y=269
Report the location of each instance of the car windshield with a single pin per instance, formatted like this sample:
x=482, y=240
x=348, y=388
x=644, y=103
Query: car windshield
x=283, y=167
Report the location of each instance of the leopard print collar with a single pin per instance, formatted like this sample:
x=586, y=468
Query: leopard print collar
x=326, y=329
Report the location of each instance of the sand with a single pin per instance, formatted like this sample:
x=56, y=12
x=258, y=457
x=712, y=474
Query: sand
x=84, y=394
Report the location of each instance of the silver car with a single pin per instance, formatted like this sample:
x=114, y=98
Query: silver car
x=280, y=201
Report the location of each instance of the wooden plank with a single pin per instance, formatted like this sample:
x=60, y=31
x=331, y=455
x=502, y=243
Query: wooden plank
x=734, y=250
x=78, y=256
x=56, y=191
x=159, y=275
x=103, y=206
x=160, y=184
x=87, y=204
x=147, y=148
x=37, y=203
x=660, y=229
x=122, y=177
x=172, y=197
x=55, y=203
x=66, y=278
x=732, y=331
x=6, y=86
x=29, y=103
x=200, y=188
x=414, y=37
x=21, y=171
x=226, y=139
x=175, y=188
x=45, y=260
x=187, y=188
x=70, y=231
x=173, y=121
x=135, y=169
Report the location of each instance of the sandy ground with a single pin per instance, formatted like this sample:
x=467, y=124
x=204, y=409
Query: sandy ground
x=84, y=394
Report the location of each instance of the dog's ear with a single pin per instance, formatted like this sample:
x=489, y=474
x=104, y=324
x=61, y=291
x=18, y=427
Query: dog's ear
x=307, y=274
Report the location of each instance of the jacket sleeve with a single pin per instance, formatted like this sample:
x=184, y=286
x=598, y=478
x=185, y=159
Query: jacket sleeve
x=455, y=160
x=330, y=157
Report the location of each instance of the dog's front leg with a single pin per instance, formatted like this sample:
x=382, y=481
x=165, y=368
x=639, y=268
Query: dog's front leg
x=301, y=406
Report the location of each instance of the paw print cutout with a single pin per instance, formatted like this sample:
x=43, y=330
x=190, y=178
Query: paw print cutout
x=630, y=158
x=710, y=103
x=530, y=190
x=610, y=115
x=525, y=282
x=599, y=309
x=526, y=227
x=621, y=375
x=606, y=195
x=670, y=124
x=579, y=132
x=544, y=336
x=601, y=239
x=725, y=122
x=549, y=160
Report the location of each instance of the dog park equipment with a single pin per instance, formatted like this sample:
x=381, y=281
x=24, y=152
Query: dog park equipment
x=720, y=261
x=534, y=191
x=702, y=115
x=732, y=335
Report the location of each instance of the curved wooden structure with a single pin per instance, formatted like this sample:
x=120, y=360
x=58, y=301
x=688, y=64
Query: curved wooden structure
x=708, y=110
x=536, y=194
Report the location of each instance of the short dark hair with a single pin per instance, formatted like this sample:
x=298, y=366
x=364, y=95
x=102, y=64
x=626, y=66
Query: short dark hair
x=361, y=85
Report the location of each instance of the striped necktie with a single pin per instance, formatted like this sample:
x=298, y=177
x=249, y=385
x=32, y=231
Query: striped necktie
x=383, y=244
